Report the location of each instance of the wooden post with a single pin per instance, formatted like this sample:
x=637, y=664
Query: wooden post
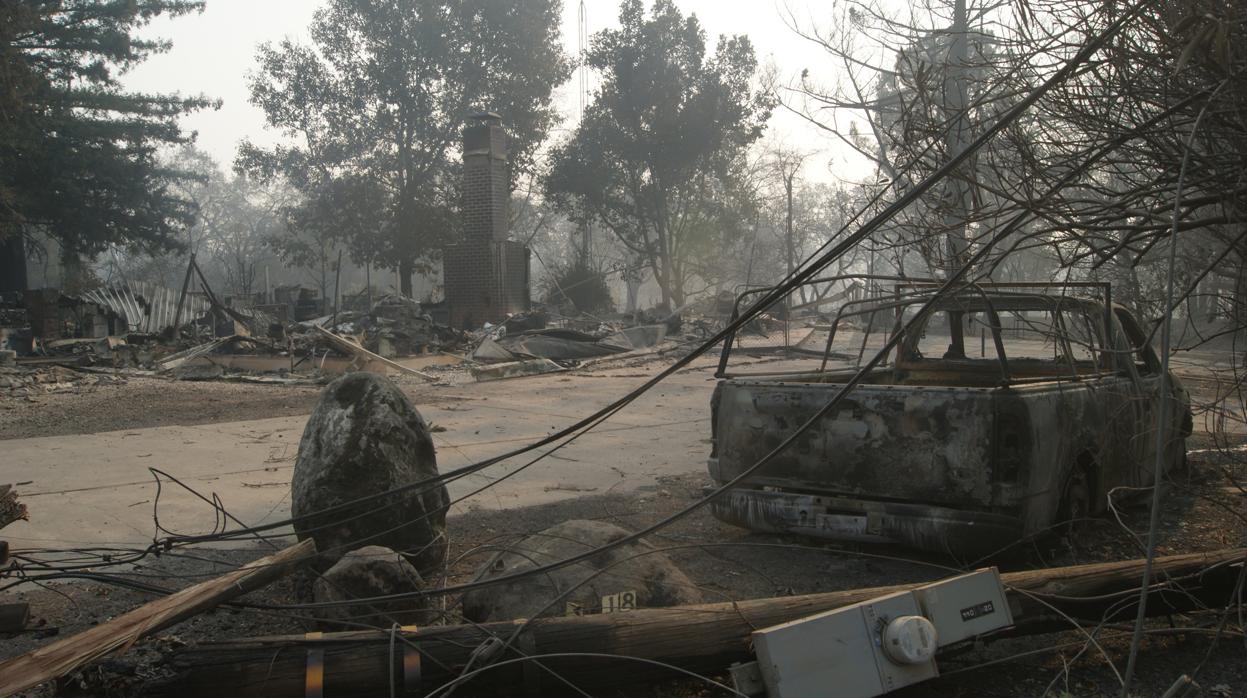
x=26, y=671
x=186, y=283
x=337, y=279
x=706, y=638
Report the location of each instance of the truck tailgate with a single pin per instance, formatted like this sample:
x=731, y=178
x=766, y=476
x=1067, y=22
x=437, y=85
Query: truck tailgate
x=920, y=444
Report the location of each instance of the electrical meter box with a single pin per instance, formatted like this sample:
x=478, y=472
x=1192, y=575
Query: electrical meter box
x=840, y=652
x=965, y=606
x=881, y=645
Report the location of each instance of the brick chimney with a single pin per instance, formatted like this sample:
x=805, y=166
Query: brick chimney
x=485, y=275
x=486, y=199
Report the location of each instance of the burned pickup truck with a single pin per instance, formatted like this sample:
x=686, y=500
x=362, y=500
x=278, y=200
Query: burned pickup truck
x=1008, y=411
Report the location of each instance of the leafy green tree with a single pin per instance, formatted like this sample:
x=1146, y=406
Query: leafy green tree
x=77, y=153
x=658, y=157
x=375, y=106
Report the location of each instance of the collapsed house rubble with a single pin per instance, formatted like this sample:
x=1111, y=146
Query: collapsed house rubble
x=398, y=326
x=395, y=335
x=31, y=381
x=218, y=343
x=499, y=353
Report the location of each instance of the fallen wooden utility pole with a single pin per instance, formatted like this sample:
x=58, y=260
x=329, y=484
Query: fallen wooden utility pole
x=349, y=346
x=705, y=638
x=63, y=656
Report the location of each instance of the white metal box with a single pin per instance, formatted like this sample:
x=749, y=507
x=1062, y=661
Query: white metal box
x=966, y=605
x=837, y=653
x=840, y=653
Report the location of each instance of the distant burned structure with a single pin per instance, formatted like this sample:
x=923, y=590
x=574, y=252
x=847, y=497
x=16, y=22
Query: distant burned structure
x=486, y=274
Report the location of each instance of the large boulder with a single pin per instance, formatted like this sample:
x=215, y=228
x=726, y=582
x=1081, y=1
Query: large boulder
x=637, y=576
x=366, y=573
x=363, y=438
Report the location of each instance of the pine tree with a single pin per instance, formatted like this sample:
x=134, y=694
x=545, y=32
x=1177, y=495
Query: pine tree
x=77, y=152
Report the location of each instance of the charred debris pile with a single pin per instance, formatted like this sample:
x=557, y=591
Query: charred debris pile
x=52, y=341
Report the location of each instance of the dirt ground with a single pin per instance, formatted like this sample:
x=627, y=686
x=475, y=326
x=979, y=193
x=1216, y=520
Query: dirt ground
x=1203, y=509
x=149, y=402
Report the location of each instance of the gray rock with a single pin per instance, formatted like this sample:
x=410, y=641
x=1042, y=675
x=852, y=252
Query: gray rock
x=365, y=573
x=363, y=438
x=653, y=578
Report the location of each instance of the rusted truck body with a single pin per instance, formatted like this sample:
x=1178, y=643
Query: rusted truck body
x=946, y=450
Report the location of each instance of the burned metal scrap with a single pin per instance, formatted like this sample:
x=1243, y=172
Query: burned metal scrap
x=557, y=345
x=144, y=307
